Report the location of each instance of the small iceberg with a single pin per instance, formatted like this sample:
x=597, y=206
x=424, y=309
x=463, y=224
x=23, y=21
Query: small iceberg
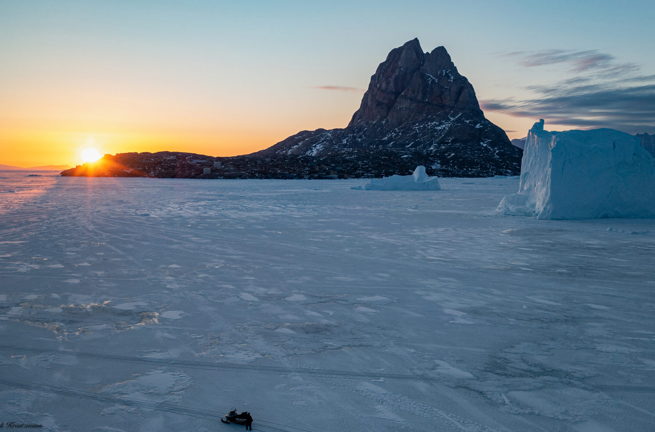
x=418, y=181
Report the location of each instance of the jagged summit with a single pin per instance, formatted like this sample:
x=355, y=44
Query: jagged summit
x=411, y=85
x=417, y=104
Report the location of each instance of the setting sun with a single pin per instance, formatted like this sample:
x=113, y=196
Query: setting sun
x=90, y=155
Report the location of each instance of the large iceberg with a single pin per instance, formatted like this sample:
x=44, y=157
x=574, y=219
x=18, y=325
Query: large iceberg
x=601, y=173
x=417, y=181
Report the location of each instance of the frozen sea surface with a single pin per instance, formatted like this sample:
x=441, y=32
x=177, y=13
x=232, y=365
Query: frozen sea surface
x=159, y=305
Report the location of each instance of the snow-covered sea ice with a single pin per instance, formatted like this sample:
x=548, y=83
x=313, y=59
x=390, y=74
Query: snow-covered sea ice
x=150, y=305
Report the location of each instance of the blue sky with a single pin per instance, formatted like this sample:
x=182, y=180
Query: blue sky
x=225, y=78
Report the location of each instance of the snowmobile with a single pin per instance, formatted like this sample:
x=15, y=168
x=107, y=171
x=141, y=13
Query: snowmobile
x=233, y=417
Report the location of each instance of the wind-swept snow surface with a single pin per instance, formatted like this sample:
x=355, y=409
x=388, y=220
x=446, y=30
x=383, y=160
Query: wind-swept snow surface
x=419, y=180
x=159, y=305
x=600, y=173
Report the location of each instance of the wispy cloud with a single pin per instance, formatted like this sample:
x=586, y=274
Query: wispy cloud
x=602, y=93
x=339, y=88
x=577, y=61
x=646, y=78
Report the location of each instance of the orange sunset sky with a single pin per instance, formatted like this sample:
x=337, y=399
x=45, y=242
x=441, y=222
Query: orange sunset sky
x=222, y=79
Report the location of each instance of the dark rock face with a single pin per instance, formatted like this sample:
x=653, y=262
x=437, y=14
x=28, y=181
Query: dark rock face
x=647, y=142
x=411, y=86
x=416, y=102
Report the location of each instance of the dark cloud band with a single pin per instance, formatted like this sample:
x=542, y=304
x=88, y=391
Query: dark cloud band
x=603, y=93
x=630, y=109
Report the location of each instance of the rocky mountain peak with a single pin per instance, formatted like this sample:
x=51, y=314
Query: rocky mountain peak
x=411, y=85
x=389, y=81
x=417, y=107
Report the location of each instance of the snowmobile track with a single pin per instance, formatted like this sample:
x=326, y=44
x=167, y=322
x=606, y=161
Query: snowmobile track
x=231, y=367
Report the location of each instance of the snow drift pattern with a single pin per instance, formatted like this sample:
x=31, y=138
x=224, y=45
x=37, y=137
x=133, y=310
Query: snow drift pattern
x=417, y=181
x=600, y=173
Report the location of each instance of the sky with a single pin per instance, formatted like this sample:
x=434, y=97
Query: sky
x=224, y=78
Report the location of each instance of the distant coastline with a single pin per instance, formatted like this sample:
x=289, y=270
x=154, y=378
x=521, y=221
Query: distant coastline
x=35, y=168
x=361, y=164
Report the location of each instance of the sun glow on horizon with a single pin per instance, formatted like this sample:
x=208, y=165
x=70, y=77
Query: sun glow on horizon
x=90, y=155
